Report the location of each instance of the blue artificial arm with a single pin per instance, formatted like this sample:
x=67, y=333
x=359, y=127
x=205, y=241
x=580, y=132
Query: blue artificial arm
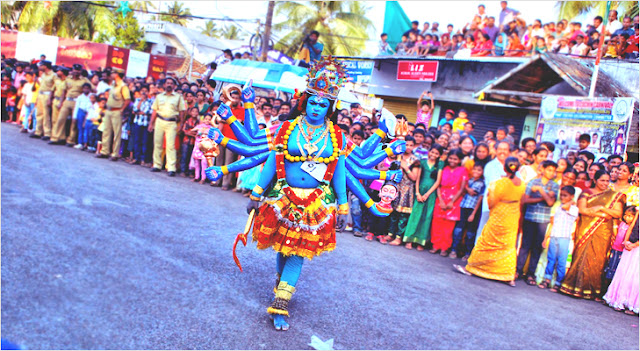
x=250, y=120
x=214, y=173
x=358, y=190
x=368, y=146
x=395, y=148
x=372, y=174
x=259, y=138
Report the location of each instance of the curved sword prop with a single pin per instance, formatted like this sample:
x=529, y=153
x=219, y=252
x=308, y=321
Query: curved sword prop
x=243, y=237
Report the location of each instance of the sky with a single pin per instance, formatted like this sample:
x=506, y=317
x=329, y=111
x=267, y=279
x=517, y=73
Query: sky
x=457, y=13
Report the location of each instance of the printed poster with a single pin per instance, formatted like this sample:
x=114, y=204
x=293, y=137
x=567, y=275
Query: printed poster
x=607, y=120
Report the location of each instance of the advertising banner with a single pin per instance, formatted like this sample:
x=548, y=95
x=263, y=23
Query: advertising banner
x=85, y=53
x=426, y=71
x=606, y=120
x=359, y=70
x=9, y=40
x=30, y=46
x=117, y=57
x=138, y=65
x=157, y=65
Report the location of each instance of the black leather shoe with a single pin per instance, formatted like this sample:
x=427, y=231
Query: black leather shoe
x=46, y=138
x=155, y=169
x=34, y=136
x=101, y=156
x=70, y=145
x=172, y=174
x=51, y=142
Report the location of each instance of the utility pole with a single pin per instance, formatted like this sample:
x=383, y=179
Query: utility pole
x=596, y=70
x=267, y=31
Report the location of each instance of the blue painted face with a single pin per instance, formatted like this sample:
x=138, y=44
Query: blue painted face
x=317, y=108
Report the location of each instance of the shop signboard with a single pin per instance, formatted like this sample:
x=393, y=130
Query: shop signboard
x=424, y=71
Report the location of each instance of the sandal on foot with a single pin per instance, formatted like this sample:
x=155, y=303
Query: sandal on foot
x=383, y=240
x=453, y=254
x=511, y=283
x=555, y=289
x=629, y=312
x=444, y=253
x=465, y=258
x=531, y=281
x=419, y=248
x=408, y=246
x=434, y=251
x=396, y=242
x=544, y=284
x=461, y=269
x=369, y=237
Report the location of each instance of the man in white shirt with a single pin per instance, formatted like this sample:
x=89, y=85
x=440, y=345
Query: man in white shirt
x=613, y=25
x=481, y=12
x=267, y=110
x=493, y=171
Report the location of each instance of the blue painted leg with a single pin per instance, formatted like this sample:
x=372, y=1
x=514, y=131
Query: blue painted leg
x=280, y=323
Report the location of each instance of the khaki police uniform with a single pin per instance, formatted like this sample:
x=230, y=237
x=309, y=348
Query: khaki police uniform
x=168, y=108
x=57, y=130
x=74, y=89
x=43, y=110
x=112, y=123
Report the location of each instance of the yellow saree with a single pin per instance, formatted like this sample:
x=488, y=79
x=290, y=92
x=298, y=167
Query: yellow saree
x=494, y=256
x=593, y=241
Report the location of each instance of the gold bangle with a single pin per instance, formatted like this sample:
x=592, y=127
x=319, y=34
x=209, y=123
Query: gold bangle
x=380, y=133
x=258, y=189
x=389, y=151
x=343, y=209
x=383, y=175
x=254, y=198
x=224, y=170
x=369, y=203
x=224, y=141
x=231, y=119
x=249, y=105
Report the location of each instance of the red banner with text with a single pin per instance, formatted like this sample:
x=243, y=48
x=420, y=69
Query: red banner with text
x=157, y=65
x=90, y=55
x=118, y=58
x=9, y=40
x=425, y=71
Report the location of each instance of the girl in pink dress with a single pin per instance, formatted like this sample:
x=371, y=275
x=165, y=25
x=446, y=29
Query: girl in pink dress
x=447, y=210
x=623, y=291
x=198, y=161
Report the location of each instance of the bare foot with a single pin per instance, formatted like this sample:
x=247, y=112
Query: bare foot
x=396, y=242
x=195, y=179
x=408, y=246
x=420, y=248
x=202, y=181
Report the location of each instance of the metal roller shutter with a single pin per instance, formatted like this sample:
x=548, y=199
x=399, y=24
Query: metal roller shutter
x=397, y=106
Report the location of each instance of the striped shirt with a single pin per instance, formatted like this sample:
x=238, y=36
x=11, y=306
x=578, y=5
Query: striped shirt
x=144, y=107
x=563, y=222
x=470, y=201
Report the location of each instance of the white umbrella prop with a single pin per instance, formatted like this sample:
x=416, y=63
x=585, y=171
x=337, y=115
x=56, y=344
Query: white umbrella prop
x=389, y=120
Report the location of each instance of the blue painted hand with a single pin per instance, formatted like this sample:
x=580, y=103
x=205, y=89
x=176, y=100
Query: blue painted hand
x=214, y=173
x=398, y=147
x=216, y=135
x=248, y=94
x=224, y=112
x=383, y=127
x=374, y=210
x=395, y=176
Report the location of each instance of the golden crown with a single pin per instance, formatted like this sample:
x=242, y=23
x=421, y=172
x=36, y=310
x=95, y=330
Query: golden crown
x=326, y=77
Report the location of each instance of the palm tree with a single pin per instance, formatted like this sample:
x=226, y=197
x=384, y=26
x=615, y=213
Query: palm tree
x=232, y=32
x=67, y=19
x=571, y=9
x=175, y=14
x=143, y=5
x=343, y=26
x=11, y=11
x=210, y=29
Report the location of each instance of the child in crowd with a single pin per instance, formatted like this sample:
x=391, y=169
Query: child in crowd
x=447, y=209
x=83, y=104
x=420, y=151
x=198, y=161
x=142, y=114
x=11, y=104
x=427, y=183
x=448, y=118
x=95, y=116
x=403, y=204
x=425, y=109
x=618, y=247
x=189, y=139
x=28, y=105
x=460, y=121
x=538, y=198
x=469, y=213
x=559, y=238
x=355, y=207
x=623, y=293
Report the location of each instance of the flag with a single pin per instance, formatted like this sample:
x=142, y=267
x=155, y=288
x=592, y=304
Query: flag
x=396, y=22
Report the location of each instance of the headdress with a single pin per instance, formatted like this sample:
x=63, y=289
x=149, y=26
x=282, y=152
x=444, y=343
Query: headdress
x=326, y=77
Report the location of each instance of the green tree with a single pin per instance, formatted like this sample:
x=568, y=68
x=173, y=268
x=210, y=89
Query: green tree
x=142, y=5
x=175, y=12
x=572, y=9
x=210, y=29
x=343, y=26
x=232, y=32
x=126, y=33
x=67, y=19
x=11, y=11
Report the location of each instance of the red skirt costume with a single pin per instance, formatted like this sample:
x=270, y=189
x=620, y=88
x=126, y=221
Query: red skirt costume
x=297, y=221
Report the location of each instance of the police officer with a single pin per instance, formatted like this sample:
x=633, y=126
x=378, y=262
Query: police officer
x=167, y=118
x=73, y=89
x=59, y=86
x=119, y=99
x=43, y=102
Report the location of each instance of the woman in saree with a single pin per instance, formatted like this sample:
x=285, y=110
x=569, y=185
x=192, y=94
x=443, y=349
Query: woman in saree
x=494, y=255
x=594, y=231
x=622, y=185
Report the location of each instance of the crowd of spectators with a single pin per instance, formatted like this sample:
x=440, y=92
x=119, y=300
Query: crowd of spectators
x=442, y=204
x=509, y=35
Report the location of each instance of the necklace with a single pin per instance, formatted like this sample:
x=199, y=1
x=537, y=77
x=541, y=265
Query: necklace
x=310, y=145
x=334, y=142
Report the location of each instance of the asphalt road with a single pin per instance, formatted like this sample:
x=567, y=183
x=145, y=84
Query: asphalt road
x=104, y=255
